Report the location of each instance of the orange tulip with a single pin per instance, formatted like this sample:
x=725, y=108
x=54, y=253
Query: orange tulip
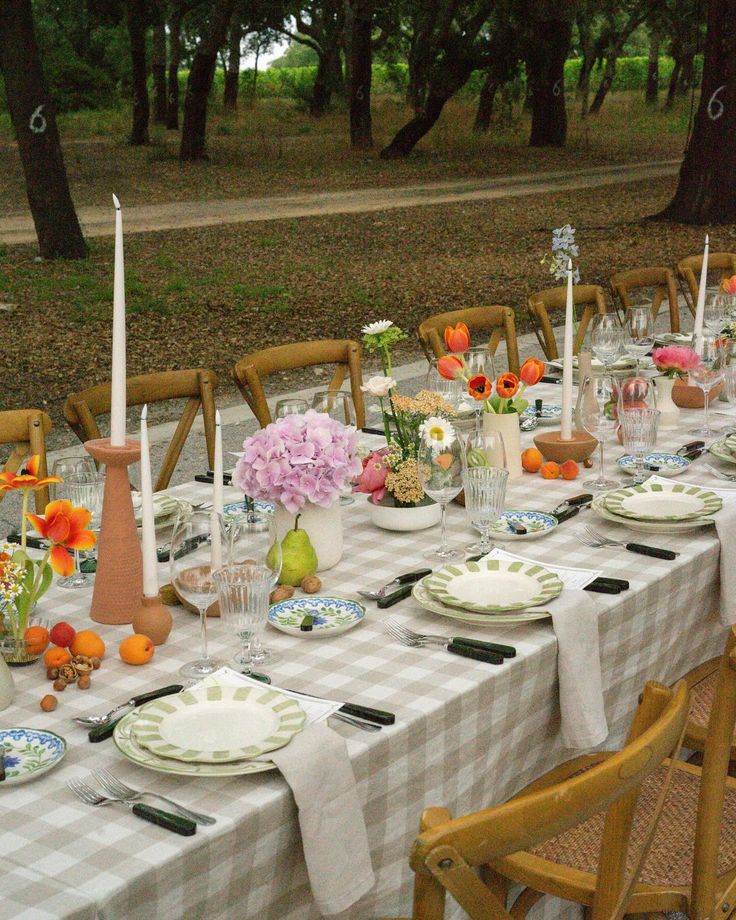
x=457, y=338
x=27, y=478
x=728, y=285
x=480, y=387
x=532, y=371
x=449, y=367
x=65, y=527
x=507, y=385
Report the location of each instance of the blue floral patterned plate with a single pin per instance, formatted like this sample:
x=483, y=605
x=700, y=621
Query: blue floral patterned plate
x=669, y=464
x=237, y=510
x=332, y=616
x=29, y=752
x=537, y=524
x=551, y=414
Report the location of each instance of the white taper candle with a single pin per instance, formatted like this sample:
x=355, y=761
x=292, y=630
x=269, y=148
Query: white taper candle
x=566, y=421
x=700, y=306
x=148, y=541
x=117, y=401
x=218, y=503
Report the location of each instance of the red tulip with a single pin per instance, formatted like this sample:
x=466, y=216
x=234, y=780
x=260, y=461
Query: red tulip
x=507, y=385
x=457, y=338
x=65, y=527
x=480, y=387
x=449, y=367
x=532, y=371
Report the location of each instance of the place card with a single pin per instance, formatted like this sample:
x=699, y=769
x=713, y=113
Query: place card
x=570, y=577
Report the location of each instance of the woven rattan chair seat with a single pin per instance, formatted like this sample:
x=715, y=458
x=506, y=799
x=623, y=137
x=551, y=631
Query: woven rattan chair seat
x=701, y=699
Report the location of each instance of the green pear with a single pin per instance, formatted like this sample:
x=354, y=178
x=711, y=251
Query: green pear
x=299, y=559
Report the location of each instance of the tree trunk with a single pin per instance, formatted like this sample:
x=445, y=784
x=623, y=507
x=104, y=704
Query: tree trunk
x=418, y=60
x=136, y=19
x=652, y=91
x=232, y=74
x=34, y=120
x=609, y=75
x=485, y=105
x=158, y=68
x=361, y=61
x=687, y=76
x=706, y=192
x=674, y=80
x=172, y=97
x=322, y=88
x=194, y=130
x=545, y=63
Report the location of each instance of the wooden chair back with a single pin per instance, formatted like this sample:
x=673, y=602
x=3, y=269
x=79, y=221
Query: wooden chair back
x=249, y=371
x=588, y=296
x=26, y=430
x=197, y=386
x=497, y=320
x=448, y=853
x=661, y=282
x=688, y=270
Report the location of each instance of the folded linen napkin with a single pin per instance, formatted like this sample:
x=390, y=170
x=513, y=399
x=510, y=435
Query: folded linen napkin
x=575, y=622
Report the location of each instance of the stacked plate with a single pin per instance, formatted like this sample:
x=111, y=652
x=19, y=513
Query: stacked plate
x=488, y=591
x=210, y=731
x=725, y=449
x=655, y=507
x=165, y=508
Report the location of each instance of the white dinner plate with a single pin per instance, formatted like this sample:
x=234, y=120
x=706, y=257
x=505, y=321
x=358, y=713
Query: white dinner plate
x=425, y=599
x=720, y=449
x=671, y=527
x=493, y=585
x=660, y=501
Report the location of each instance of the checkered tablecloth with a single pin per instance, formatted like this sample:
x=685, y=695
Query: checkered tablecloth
x=466, y=734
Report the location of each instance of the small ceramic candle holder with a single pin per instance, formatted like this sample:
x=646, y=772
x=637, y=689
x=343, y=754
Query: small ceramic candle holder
x=578, y=448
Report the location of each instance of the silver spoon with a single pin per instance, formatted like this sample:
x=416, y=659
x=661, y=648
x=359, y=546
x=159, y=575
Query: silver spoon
x=92, y=721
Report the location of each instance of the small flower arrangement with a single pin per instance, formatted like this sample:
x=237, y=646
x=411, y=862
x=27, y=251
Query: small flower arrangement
x=728, y=285
x=299, y=459
x=564, y=248
x=675, y=360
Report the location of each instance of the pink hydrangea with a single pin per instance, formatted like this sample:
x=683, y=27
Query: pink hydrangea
x=675, y=360
x=372, y=480
x=299, y=459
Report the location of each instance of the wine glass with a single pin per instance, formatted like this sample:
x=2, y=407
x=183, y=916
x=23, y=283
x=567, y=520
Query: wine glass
x=639, y=326
x=484, y=448
x=485, y=493
x=452, y=391
x=340, y=407
x=635, y=393
x=716, y=311
x=606, y=338
x=639, y=427
x=65, y=468
x=596, y=413
x=83, y=486
x=439, y=466
x=477, y=361
x=242, y=591
x=708, y=374
x=191, y=566
x=286, y=407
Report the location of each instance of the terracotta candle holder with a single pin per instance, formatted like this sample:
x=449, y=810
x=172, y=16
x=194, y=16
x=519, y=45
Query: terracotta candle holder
x=153, y=619
x=578, y=448
x=119, y=580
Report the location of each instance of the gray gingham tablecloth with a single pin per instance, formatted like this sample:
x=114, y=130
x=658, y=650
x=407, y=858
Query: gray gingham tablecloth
x=467, y=734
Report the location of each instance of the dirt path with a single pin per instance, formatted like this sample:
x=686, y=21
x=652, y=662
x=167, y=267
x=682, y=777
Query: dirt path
x=97, y=221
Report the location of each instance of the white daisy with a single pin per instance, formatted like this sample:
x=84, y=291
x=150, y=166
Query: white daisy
x=375, y=328
x=438, y=432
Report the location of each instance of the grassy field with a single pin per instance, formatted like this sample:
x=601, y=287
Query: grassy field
x=274, y=149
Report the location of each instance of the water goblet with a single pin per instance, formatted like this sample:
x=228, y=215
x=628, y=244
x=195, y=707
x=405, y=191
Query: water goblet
x=639, y=327
x=191, y=566
x=452, y=391
x=716, y=312
x=84, y=489
x=477, y=361
x=596, y=413
x=286, y=407
x=606, y=338
x=439, y=466
x=485, y=493
x=340, y=407
x=639, y=427
x=66, y=467
x=242, y=592
x=635, y=393
x=484, y=448
x=708, y=374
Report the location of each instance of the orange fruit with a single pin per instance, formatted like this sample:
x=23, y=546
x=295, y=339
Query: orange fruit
x=37, y=638
x=532, y=460
x=87, y=642
x=55, y=657
x=550, y=470
x=136, y=649
x=569, y=470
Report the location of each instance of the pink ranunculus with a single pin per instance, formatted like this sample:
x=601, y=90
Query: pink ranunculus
x=372, y=480
x=675, y=360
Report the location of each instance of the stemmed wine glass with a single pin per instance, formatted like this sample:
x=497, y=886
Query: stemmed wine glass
x=596, y=413
x=286, y=407
x=708, y=374
x=484, y=448
x=242, y=590
x=485, y=493
x=340, y=407
x=478, y=361
x=83, y=487
x=451, y=391
x=440, y=469
x=191, y=566
x=606, y=338
x=639, y=427
x=716, y=312
x=635, y=393
x=639, y=326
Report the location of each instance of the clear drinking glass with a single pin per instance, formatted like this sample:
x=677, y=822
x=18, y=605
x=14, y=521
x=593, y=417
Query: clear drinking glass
x=340, y=407
x=242, y=590
x=286, y=407
x=440, y=471
x=708, y=374
x=484, y=448
x=635, y=393
x=452, y=391
x=191, y=574
x=478, y=361
x=639, y=327
x=65, y=468
x=83, y=486
x=639, y=427
x=596, y=412
x=485, y=493
x=729, y=378
x=606, y=338
x=716, y=311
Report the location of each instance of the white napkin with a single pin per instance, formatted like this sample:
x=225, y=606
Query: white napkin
x=575, y=622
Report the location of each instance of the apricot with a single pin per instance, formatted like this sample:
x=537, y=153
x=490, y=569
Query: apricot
x=37, y=639
x=56, y=657
x=89, y=643
x=550, y=470
x=569, y=470
x=532, y=460
x=136, y=649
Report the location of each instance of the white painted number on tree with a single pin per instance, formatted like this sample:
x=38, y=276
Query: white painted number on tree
x=556, y=89
x=37, y=123
x=715, y=106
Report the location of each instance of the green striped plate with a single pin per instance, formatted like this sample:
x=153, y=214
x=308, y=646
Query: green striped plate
x=655, y=501
x=493, y=585
x=721, y=450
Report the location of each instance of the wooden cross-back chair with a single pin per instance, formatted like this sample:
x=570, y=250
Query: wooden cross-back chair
x=26, y=430
x=459, y=856
x=497, y=320
x=661, y=282
x=588, y=296
x=688, y=270
x=249, y=371
x=197, y=386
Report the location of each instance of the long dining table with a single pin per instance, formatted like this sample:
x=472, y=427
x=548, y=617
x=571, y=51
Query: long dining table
x=467, y=734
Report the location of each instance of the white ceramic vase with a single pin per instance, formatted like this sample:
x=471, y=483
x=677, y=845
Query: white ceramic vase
x=7, y=687
x=669, y=413
x=415, y=517
x=507, y=425
x=324, y=526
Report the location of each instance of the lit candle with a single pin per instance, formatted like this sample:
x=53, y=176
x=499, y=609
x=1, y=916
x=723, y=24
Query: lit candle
x=150, y=562
x=218, y=504
x=700, y=306
x=117, y=401
x=566, y=423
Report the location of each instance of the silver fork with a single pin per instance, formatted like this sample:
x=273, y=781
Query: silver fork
x=729, y=477
x=467, y=648
x=118, y=789
x=407, y=636
x=597, y=540
x=175, y=823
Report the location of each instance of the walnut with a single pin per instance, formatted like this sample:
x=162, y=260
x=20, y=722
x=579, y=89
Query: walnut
x=311, y=584
x=84, y=682
x=68, y=673
x=48, y=703
x=282, y=593
x=82, y=667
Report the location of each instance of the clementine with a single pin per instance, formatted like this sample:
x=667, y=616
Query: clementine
x=55, y=657
x=569, y=470
x=532, y=460
x=87, y=642
x=37, y=638
x=550, y=470
x=136, y=649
